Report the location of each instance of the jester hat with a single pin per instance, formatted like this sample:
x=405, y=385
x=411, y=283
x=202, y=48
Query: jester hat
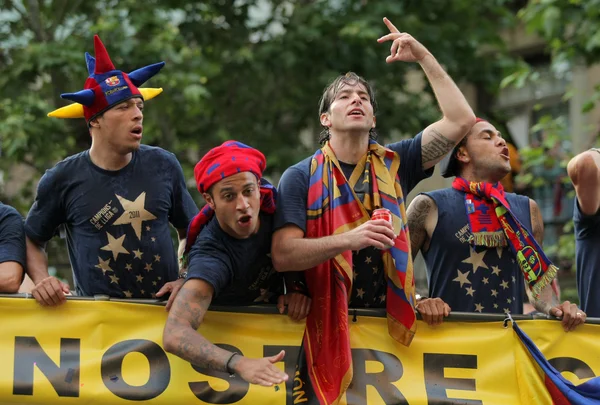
x=106, y=86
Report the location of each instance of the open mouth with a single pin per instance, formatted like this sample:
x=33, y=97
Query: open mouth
x=137, y=130
x=356, y=111
x=505, y=153
x=245, y=220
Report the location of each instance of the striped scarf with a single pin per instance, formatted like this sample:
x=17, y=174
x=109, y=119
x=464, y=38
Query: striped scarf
x=334, y=208
x=493, y=224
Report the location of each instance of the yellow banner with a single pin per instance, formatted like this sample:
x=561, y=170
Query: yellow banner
x=110, y=353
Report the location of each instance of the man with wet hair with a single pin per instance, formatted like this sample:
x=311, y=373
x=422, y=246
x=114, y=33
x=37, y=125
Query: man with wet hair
x=480, y=242
x=325, y=202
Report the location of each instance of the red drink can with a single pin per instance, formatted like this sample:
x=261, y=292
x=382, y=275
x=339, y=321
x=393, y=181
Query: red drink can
x=383, y=213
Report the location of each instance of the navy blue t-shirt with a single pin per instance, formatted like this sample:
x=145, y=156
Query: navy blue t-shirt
x=240, y=270
x=369, y=286
x=12, y=236
x=473, y=279
x=587, y=246
x=116, y=222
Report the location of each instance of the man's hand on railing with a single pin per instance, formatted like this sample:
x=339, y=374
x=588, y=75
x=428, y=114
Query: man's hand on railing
x=433, y=310
x=571, y=315
x=50, y=291
x=172, y=287
x=298, y=305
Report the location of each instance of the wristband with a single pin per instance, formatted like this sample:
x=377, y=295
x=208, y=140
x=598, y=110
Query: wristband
x=230, y=371
x=298, y=287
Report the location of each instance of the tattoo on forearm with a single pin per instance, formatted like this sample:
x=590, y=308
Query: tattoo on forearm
x=435, y=149
x=417, y=216
x=537, y=224
x=546, y=301
x=541, y=305
x=185, y=318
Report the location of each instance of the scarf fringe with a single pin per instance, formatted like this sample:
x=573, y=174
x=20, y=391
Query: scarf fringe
x=531, y=258
x=544, y=281
x=489, y=239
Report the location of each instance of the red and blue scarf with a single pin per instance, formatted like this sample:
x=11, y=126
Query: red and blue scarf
x=333, y=208
x=493, y=224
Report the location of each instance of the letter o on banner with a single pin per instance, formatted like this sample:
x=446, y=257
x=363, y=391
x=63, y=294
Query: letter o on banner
x=160, y=370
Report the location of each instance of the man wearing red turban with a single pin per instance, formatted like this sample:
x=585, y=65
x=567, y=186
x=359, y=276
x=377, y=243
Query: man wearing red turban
x=229, y=245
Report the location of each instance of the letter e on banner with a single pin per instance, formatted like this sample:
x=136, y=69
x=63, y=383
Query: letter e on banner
x=436, y=384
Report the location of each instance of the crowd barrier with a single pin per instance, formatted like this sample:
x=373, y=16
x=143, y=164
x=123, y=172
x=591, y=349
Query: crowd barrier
x=100, y=351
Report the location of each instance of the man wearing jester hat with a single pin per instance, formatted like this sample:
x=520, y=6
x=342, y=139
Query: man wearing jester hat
x=480, y=243
x=115, y=200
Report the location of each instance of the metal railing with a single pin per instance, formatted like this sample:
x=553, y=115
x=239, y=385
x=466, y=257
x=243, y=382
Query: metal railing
x=271, y=309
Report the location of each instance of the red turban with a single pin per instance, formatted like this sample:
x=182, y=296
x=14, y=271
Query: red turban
x=226, y=160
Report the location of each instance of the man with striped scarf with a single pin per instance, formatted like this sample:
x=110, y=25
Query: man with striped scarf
x=480, y=243
x=323, y=214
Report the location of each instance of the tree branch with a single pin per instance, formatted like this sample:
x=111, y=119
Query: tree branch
x=64, y=7
x=35, y=21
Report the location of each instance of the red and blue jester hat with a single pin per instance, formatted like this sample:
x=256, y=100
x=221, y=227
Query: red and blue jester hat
x=106, y=86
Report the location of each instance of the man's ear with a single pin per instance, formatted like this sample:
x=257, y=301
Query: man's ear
x=325, y=121
x=374, y=121
x=209, y=200
x=94, y=123
x=463, y=155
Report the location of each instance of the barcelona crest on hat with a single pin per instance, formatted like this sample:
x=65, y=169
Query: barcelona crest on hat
x=106, y=86
x=112, y=81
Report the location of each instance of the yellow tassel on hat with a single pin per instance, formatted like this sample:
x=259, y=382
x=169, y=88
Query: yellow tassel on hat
x=75, y=110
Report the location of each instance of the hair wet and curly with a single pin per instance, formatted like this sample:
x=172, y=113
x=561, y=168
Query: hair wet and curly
x=331, y=92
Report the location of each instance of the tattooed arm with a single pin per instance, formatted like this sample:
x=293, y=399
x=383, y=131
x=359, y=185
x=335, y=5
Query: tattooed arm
x=180, y=337
x=548, y=302
x=422, y=216
x=547, y=299
x=440, y=137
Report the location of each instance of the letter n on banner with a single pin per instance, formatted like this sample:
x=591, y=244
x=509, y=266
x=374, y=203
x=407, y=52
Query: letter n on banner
x=64, y=378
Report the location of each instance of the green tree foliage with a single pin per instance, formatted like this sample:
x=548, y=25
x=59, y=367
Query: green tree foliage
x=570, y=29
x=251, y=70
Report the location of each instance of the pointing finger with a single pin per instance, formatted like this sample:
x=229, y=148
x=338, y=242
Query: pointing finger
x=389, y=24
